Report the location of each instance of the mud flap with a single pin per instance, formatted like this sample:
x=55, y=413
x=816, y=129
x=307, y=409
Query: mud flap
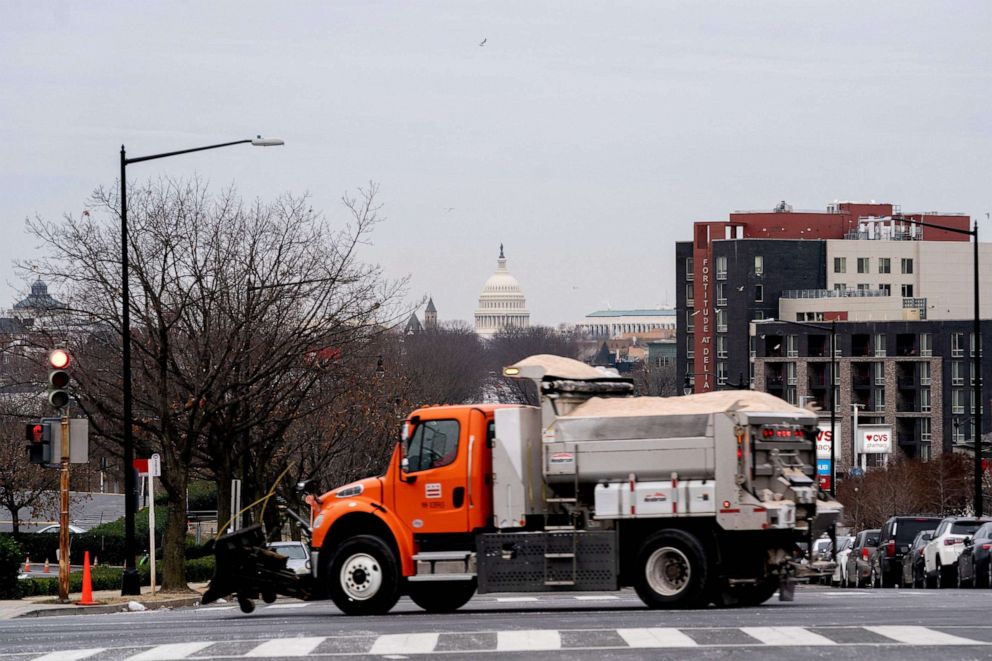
x=787, y=589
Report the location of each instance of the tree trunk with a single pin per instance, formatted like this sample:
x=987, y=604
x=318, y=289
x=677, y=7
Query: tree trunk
x=174, y=538
x=223, y=473
x=15, y=522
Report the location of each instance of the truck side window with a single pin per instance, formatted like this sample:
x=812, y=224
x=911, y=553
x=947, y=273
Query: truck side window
x=434, y=444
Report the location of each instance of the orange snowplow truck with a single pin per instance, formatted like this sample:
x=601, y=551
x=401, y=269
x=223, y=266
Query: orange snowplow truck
x=691, y=500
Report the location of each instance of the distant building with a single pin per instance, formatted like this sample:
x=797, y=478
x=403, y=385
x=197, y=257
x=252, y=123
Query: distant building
x=605, y=324
x=501, y=303
x=430, y=316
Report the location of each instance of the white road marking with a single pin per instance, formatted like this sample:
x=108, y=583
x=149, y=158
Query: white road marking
x=70, y=655
x=921, y=636
x=596, y=597
x=292, y=605
x=535, y=639
x=404, y=643
x=212, y=609
x=170, y=651
x=509, y=600
x=782, y=636
x=287, y=647
x=656, y=637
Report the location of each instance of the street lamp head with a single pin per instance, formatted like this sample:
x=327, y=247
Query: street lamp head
x=259, y=141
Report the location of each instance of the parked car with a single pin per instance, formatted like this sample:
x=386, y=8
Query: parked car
x=893, y=542
x=821, y=557
x=297, y=552
x=940, y=555
x=974, y=566
x=913, y=575
x=859, y=559
x=843, y=551
x=55, y=529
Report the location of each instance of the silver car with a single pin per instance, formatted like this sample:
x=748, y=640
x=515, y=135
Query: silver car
x=297, y=552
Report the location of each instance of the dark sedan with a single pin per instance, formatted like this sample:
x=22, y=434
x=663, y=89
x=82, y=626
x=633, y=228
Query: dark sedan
x=913, y=572
x=859, y=561
x=974, y=566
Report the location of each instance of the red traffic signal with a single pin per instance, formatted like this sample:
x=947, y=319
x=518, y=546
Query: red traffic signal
x=59, y=359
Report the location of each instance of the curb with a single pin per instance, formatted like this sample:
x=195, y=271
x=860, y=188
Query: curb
x=120, y=607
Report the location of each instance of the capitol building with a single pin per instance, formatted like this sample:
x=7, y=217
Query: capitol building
x=501, y=303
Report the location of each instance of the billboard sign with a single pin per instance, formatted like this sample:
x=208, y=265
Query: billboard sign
x=874, y=439
x=823, y=467
x=823, y=440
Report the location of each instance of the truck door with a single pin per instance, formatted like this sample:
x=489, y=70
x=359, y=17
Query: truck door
x=431, y=490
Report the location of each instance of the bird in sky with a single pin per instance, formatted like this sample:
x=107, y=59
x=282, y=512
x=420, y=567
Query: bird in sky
x=483, y=42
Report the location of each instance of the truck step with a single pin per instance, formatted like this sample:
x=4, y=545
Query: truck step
x=559, y=556
x=559, y=528
x=442, y=555
x=554, y=583
x=562, y=500
x=423, y=578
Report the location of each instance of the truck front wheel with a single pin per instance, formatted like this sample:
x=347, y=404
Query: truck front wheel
x=672, y=571
x=441, y=596
x=364, y=577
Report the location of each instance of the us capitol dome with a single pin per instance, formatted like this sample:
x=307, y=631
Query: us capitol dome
x=501, y=303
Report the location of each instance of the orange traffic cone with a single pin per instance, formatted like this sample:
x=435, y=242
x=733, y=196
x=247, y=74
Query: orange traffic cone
x=46, y=565
x=27, y=564
x=87, y=599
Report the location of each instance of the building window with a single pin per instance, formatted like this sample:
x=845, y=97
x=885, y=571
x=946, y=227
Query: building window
x=721, y=267
x=690, y=347
x=759, y=293
x=840, y=264
x=864, y=286
x=880, y=344
x=971, y=398
x=879, y=369
x=957, y=427
x=840, y=286
x=925, y=400
x=926, y=345
x=957, y=401
x=925, y=376
x=721, y=346
x=884, y=265
x=907, y=291
x=690, y=321
x=957, y=373
x=758, y=314
x=721, y=293
x=790, y=395
x=886, y=289
x=957, y=345
x=879, y=399
x=690, y=273
x=690, y=372
x=790, y=374
x=721, y=320
x=925, y=433
x=759, y=265
x=690, y=298
x=907, y=265
x=971, y=344
x=791, y=344
x=721, y=373
x=863, y=264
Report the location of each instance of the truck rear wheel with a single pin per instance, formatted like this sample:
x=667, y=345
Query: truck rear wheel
x=672, y=571
x=441, y=596
x=364, y=577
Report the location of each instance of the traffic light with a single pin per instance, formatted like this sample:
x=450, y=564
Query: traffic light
x=39, y=437
x=58, y=378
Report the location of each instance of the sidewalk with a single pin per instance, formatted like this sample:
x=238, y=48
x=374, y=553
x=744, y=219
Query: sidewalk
x=109, y=601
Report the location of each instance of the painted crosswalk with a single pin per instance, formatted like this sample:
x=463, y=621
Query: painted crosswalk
x=532, y=640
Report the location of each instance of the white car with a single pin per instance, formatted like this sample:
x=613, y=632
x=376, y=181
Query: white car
x=55, y=529
x=297, y=552
x=940, y=555
x=844, y=545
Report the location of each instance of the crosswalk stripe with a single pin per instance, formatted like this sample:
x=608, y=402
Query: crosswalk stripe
x=786, y=636
x=169, y=651
x=921, y=636
x=70, y=655
x=656, y=637
x=405, y=643
x=291, y=605
x=286, y=647
x=536, y=639
x=596, y=597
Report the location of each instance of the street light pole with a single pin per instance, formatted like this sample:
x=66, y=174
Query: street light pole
x=131, y=582
x=976, y=363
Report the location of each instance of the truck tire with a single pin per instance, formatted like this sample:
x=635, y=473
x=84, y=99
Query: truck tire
x=672, y=571
x=744, y=596
x=364, y=576
x=441, y=597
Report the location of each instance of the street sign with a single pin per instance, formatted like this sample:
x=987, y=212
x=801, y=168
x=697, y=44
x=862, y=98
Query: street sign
x=155, y=465
x=855, y=472
x=823, y=467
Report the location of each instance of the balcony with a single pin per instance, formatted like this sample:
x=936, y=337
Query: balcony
x=835, y=293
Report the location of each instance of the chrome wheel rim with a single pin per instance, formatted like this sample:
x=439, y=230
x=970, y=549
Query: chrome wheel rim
x=361, y=577
x=668, y=571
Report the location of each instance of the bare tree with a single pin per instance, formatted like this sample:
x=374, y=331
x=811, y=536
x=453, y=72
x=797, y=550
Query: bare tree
x=230, y=303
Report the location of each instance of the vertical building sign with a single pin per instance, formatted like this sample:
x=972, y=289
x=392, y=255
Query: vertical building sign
x=703, y=341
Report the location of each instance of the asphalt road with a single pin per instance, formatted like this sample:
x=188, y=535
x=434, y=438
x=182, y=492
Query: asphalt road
x=821, y=623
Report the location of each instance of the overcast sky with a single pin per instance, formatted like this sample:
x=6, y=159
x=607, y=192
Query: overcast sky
x=586, y=137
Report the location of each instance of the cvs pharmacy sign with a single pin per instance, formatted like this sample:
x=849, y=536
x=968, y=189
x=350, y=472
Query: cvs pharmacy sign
x=823, y=439
x=874, y=439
